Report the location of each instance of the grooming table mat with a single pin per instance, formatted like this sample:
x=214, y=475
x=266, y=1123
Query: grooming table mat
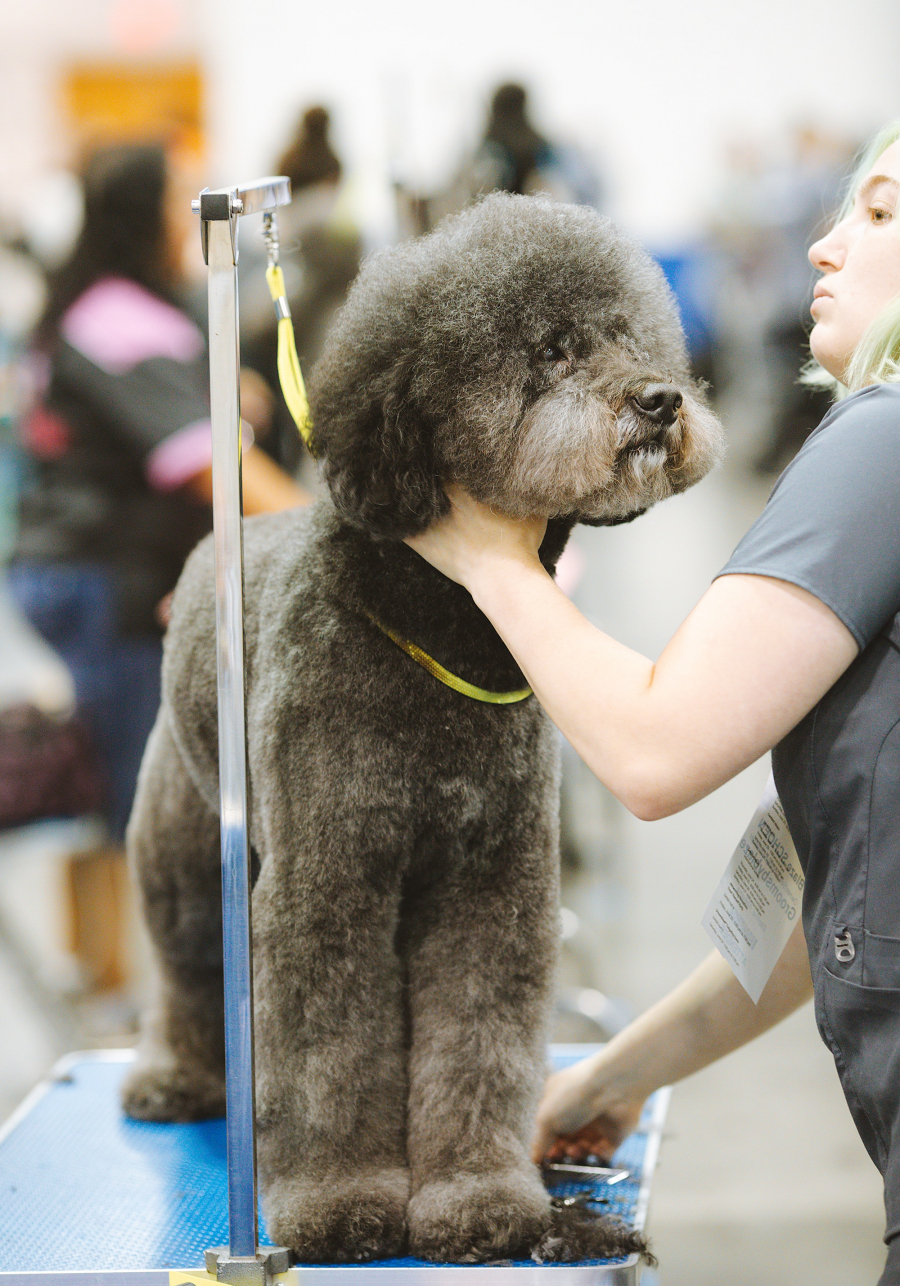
x=90, y=1198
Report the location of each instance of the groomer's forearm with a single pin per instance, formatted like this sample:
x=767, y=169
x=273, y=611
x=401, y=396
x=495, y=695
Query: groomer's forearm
x=604, y=722
x=751, y=659
x=706, y=1017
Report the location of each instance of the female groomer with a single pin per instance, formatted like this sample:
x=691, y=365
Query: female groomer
x=795, y=648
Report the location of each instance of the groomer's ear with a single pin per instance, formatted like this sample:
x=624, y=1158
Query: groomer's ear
x=379, y=462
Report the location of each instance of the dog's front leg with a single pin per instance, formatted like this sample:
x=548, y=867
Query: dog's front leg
x=330, y=1056
x=481, y=957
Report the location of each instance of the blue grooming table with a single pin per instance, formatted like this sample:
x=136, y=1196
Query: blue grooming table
x=90, y=1198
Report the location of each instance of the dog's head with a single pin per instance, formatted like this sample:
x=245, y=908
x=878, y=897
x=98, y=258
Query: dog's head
x=529, y=351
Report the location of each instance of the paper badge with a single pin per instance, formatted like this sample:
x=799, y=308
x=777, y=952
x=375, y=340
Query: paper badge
x=757, y=903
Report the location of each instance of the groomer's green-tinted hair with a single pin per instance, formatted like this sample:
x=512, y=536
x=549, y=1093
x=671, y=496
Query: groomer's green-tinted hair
x=876, y=358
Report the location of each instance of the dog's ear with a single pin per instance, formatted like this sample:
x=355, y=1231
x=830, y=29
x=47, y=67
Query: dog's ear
x=378, y=449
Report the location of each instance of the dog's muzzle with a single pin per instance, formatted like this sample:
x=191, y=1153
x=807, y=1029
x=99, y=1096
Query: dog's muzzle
x=642, y=437
x=640, y=433
x=659, y=403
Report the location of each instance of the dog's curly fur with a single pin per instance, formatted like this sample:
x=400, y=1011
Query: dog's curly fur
x=405, y=911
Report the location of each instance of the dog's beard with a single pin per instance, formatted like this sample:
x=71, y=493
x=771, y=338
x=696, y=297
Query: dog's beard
x=564, y=451
x=576, y=455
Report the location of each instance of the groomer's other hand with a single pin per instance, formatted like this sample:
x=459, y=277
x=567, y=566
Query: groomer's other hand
x=579, y=1116
x=474, y=540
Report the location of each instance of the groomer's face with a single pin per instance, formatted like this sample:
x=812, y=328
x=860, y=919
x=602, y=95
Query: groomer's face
x=860, y=263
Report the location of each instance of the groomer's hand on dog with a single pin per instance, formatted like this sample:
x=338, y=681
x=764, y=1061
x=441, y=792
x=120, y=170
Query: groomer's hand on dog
x=581, y=1114
x=473, y=540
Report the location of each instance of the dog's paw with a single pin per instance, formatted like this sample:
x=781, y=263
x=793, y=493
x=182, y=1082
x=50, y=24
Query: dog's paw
x=575, y=1235
x=345, y=1218
x=172, y=1094
x=473, y=1218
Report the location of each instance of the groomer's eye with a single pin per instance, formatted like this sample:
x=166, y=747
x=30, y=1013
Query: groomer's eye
x=552, y=353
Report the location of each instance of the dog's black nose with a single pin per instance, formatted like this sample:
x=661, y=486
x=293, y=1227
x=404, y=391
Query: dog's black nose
x=659, y=402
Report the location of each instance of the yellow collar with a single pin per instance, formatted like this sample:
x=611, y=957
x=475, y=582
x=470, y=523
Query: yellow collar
x=451, y=680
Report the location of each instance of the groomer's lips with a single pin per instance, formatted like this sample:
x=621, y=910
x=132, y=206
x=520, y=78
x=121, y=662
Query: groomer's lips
x=818, y=294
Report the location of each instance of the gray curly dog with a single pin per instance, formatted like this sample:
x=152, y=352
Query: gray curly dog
x=405, y=909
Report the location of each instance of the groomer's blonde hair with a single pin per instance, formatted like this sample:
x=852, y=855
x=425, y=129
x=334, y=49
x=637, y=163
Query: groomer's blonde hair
x=876, y=358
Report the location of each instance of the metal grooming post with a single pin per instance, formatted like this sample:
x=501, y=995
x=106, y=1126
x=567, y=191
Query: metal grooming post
x=242, y=1262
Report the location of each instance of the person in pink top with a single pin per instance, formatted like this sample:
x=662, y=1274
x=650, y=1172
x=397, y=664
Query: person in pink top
x=117, y=486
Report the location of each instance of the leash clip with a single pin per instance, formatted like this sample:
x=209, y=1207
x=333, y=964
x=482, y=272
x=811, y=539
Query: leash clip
x=269, y=234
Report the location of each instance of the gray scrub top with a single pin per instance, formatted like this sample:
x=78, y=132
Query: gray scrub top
x=832, y=526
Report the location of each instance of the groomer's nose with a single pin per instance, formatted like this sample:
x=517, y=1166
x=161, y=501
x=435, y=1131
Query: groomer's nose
x=659, y=402
x=828, y=253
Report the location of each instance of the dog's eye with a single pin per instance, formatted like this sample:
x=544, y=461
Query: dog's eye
x=552, y=353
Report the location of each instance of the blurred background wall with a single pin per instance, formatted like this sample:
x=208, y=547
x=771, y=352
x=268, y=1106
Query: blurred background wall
x=654, y=91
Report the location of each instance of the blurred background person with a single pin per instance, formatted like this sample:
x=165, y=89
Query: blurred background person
x=321, y=249
x=799, y=196
x=512, y=155
x=319, y=238
x=118, y=485
x=770, y=204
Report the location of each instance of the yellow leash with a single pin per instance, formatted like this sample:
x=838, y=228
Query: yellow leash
x=451, y=680
x=294, y=390
x=289, y=374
